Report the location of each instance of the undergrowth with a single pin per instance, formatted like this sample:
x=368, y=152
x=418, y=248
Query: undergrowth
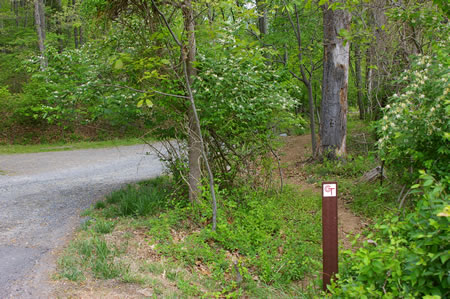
x=368, y=199
x=265, y=244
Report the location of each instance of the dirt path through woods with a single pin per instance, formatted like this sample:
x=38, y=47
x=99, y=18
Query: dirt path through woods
x=294, y=156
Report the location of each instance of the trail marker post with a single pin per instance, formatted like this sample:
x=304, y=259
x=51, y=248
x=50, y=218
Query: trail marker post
x=329, y=231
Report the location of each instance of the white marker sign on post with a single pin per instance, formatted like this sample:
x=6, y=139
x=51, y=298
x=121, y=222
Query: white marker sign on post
x=329, y=190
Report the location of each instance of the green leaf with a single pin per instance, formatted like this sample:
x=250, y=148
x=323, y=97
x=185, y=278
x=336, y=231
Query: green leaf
x=427, y=183
x=165, y=61
x=140, y=103
x=118, y=64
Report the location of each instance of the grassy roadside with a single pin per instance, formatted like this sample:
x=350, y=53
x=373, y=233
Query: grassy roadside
x=55, y=147
x=263, y=247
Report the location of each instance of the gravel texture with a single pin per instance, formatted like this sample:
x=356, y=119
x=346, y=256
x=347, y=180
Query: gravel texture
x=41, y=197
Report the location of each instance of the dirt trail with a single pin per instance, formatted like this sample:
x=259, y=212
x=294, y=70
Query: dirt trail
x=294, y=155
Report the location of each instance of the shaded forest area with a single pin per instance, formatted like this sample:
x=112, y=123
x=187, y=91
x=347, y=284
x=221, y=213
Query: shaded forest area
x=217, y=82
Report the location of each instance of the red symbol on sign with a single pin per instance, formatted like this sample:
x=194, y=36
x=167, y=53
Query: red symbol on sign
x=329, y=189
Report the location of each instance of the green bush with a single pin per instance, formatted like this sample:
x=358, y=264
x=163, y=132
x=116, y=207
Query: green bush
x=414, y=132
x=5, y=102
x=243, y=105
x=79, y=86
x=409, y=257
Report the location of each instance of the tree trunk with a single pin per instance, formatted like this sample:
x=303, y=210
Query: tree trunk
x=378, y=57
x=312, y=120
x=80, y=30
x=358, y=77
x=39, y=19
x=75, y=37
x=195, y=149
x=25, y=17
x=80, y=36
x=75, y=28
x=16, y=11
x=333, y=127
x=59, y=26
x=304, y=78
x=262, y=18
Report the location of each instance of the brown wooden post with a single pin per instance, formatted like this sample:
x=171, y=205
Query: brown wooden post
x=329, y=231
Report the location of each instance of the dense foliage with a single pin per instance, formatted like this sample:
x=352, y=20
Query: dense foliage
x=414, y=132
x=119, y=66
x=244, y=104
x=80, y=86
x=407, y=257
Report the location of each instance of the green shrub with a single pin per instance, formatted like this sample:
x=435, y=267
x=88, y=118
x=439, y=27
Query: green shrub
x=409, y=257
x=78, y=87
x=414, y=132
x=243, y=105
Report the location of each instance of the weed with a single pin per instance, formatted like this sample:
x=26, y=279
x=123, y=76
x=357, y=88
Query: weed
x=144, y=199
x=100, y=205
x=102, y=264
x=188, y=288
x=155, y=268
x=104, y=227
x=85, y=248
x=70, y=268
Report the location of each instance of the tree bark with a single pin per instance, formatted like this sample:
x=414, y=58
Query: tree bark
x=75, y=28
x=333, y=126
x=262, y=18
x=39, y=19
x=16, y=11
x=195, y=149
x=59, y=26
x=25, y=17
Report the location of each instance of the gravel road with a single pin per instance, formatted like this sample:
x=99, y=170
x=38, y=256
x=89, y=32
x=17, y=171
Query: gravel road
x=41, y=197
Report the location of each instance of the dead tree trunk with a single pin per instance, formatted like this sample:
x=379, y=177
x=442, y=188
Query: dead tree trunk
x=333, y=126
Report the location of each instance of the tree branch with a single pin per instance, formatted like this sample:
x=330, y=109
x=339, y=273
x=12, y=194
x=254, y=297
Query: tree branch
x=167, y=24
x=144, y=91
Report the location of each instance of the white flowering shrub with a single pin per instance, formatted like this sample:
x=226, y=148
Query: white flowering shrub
x=79, y=86
x=242, y=103
x=414, y=131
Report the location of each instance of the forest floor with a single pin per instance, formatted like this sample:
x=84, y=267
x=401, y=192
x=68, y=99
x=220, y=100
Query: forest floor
x=294, y=157
x=159, y=281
